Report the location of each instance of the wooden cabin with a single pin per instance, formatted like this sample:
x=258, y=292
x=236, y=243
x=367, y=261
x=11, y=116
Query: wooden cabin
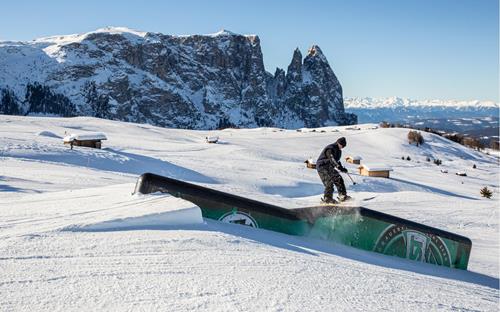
x=353, y=160
x=374, y=171
x=212, y=139
x=93, y=140
x=310, y=163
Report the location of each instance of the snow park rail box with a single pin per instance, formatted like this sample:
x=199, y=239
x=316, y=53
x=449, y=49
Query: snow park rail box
x=352, y=226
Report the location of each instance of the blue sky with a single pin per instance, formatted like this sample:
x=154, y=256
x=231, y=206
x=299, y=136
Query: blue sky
x=439, y=49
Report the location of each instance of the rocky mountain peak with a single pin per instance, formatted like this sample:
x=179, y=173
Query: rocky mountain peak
x=296, y=62
x=314, y=50
x=294, y=71
x=315, y=54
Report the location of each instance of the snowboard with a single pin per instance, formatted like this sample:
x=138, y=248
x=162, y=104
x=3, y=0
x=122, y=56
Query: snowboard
x=350, y=200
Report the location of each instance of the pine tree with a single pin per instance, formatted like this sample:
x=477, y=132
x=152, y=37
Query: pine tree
x=8, y=104
x=485, y=192
x=99, y=104
x=102, y=108
x=42, y=100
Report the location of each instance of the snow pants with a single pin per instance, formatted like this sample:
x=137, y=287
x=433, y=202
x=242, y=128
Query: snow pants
x=330, y=177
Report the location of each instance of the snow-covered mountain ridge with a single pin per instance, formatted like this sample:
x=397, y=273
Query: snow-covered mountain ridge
x=395, y=109
x=187, y=81
x=393, y=102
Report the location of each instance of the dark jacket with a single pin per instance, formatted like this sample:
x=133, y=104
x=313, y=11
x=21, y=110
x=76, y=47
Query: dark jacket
x=330, y=152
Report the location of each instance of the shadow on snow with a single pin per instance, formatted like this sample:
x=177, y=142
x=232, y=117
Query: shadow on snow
x=312, y=247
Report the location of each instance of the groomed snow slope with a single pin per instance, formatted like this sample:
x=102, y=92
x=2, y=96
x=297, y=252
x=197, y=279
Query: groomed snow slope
x=73, y=237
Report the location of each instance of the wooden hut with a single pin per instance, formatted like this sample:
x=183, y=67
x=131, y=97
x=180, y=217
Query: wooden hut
x=310, y=163
x=93, y=140
x=353, y=160
x=374, y=171
x=212, y=139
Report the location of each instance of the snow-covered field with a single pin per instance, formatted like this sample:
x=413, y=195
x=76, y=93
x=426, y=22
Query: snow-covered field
x=73, y=237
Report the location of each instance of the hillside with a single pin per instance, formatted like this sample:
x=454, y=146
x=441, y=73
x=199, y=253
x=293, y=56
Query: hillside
x=73, y=236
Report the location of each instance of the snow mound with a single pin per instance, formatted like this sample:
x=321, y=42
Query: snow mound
x=48, y=134
x=174, y=217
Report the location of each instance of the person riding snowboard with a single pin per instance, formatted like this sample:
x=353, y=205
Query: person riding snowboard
x=327, y=165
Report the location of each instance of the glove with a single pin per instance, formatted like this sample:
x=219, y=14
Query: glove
x=342, y=169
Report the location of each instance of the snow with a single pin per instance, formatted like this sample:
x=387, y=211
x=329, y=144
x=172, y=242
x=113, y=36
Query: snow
x=73, y=237
x=66, y=39
x=84, y=136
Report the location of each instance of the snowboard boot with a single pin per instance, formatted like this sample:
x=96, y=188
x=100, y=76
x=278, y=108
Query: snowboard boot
x=344, y=197
x=328, y=200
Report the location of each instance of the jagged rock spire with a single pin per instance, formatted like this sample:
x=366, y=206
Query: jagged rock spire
x=294, y=72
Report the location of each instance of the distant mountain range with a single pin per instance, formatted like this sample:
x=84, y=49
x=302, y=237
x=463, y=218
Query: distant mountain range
x=196, y=81
x=478, y=119
x=395, y=109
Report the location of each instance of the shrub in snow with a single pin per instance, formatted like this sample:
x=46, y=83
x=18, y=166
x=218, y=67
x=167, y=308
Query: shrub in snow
x=473, y=143
x=408, y=158
x=384, y=124
x=438, y=161
x=224, y=123
x=495, y=145
x=428, y=158
x=474, y=166
x=402, y=157
x=485, y=192
x=415, y=137
x=455, y=137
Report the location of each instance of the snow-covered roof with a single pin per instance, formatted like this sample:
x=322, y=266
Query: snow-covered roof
x=354, y=157
x=85, y=137
x=212, y=139
x=376, y=167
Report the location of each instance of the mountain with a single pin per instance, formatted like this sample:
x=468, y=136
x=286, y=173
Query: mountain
x=196, y=81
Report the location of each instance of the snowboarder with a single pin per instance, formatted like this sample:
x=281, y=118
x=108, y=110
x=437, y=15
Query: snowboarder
x=327, y=165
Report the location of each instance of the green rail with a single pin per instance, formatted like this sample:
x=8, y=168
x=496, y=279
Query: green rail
x=358, y=227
